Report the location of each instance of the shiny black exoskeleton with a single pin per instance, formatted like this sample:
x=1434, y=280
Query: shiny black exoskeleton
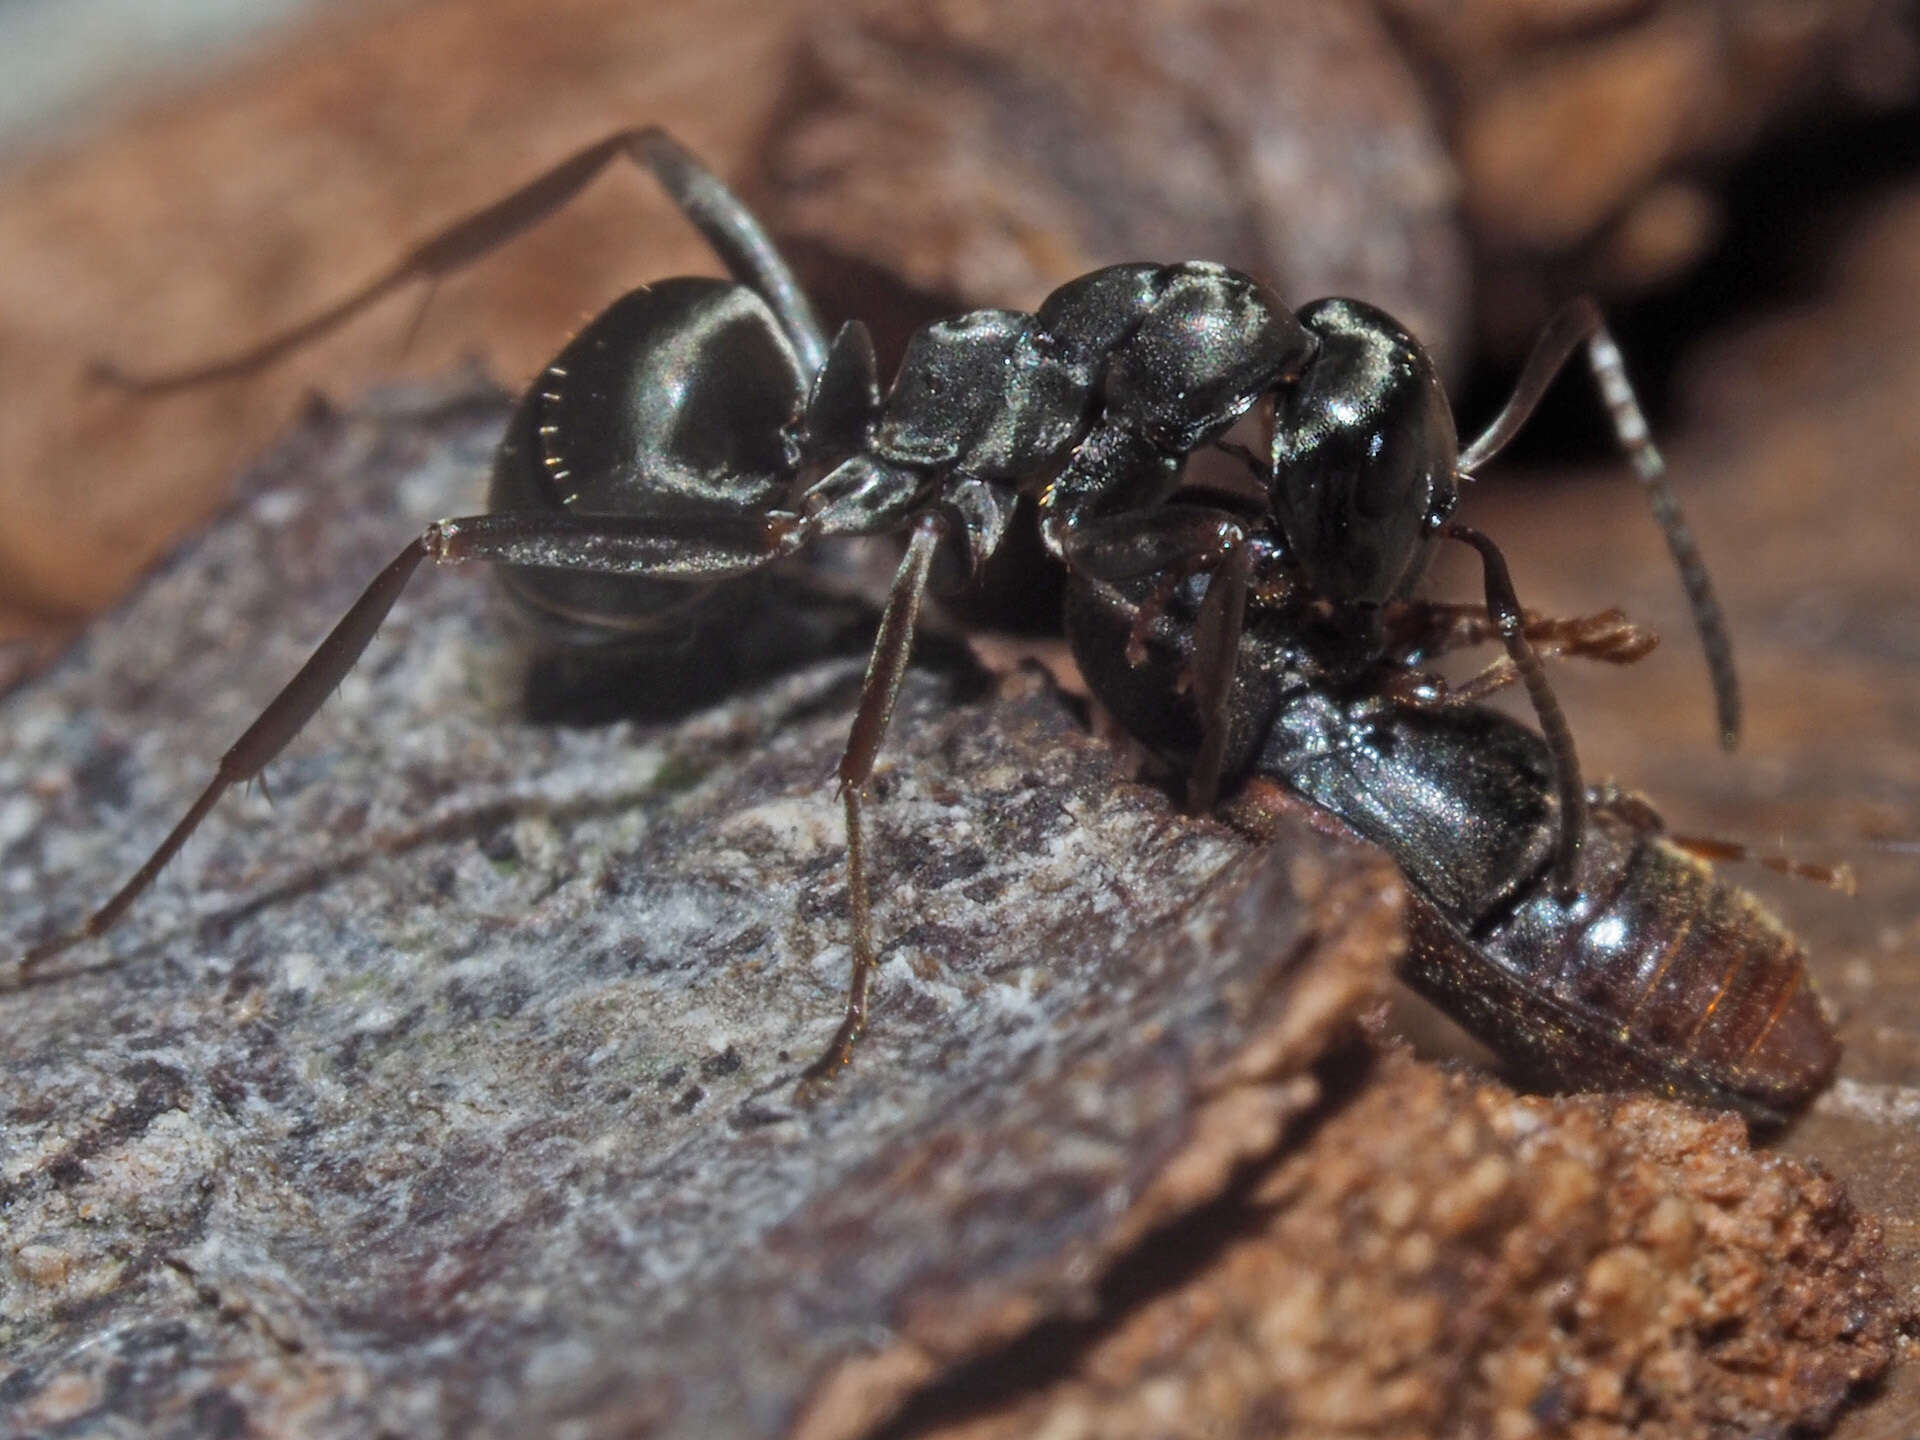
x=1655, y=974
x=700, y=430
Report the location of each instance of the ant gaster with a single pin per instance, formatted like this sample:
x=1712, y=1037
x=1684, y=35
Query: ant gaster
x=699, y=430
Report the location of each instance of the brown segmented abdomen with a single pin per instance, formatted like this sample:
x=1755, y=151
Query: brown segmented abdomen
x=1660, y=975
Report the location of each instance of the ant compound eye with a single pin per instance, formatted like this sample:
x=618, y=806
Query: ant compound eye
x=1383, y=483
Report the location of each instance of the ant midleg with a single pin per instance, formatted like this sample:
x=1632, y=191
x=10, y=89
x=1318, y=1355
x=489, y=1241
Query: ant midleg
x=886, y=667
x=727, y=225
x=1580, y=323
x=714, y=549
x=839, y=1052
x=887, y=664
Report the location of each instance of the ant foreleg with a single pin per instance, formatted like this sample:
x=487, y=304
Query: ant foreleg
x=1508, y=618
x=714, y=210
x=1579, y=323
x=1178, y=540
x=706, y=549
x=886, y=667
x=1216, y=649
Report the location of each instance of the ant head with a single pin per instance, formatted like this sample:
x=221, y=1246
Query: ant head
x=1362, y=456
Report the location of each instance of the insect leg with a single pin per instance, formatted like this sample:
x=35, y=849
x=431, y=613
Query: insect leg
x=714, y=210
x=1504, y=606
x=1709, y=847
x=1608, y=637
x=1423, y=631
x=878, y=692
x=1637, y=813
x=1216, y=646
x=1177, y=541
x=733, y=232
x=688, y=549
x=1579, y=323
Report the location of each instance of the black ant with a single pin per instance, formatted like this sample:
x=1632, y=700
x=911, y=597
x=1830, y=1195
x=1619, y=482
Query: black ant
x=1654, y=975
x=700, y=430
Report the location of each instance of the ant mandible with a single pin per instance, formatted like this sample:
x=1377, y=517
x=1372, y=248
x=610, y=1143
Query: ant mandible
x=699, y=430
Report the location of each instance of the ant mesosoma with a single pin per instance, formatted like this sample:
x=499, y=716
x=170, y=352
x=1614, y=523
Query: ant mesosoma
x=1655, y=975
x=699, y=430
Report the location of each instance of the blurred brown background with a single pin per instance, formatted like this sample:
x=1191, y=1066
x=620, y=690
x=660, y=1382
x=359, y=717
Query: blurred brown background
x=1739, y=180
x=1465, y=165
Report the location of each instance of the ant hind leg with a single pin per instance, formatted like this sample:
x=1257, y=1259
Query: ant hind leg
x=714, y=210
x=705, y=549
